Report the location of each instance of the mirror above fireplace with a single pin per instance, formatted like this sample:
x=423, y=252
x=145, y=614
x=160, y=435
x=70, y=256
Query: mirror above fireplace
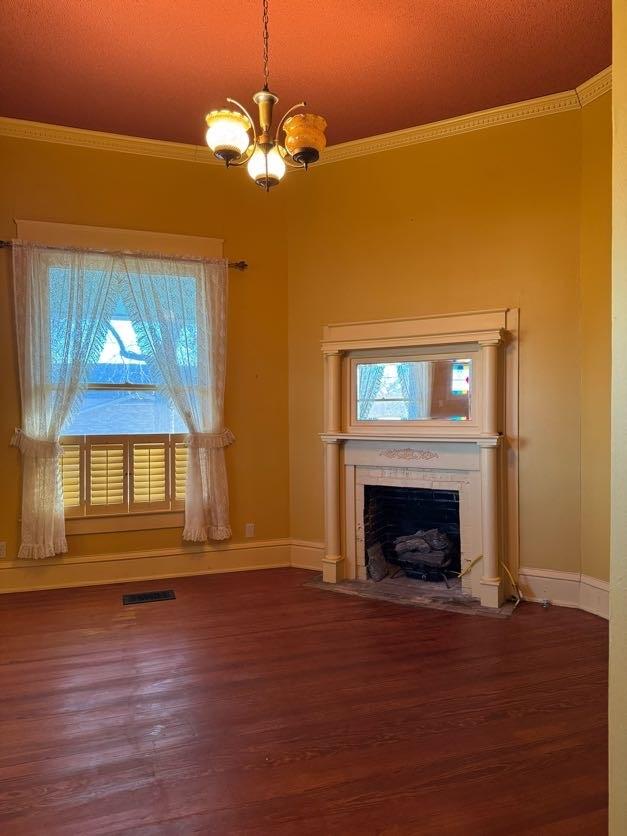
x=391, y=389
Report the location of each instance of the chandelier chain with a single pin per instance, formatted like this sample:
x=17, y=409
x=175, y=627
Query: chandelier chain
x=266, y=39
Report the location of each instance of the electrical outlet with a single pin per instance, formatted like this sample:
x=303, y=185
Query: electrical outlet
x=249, y=530
x=3, y=548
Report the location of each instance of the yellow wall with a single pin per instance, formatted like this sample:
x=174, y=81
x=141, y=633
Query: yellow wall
x=514, y=216
x=596, y=212
x=42, y=181
x=618, y=586
x=486, y=219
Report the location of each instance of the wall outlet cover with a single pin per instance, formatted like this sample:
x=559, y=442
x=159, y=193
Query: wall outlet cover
x=249, y=530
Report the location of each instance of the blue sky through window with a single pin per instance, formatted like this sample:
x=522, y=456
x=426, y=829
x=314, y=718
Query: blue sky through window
x=122, y=411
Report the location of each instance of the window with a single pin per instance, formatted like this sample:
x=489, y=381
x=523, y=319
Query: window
x=123, y=446
x=413, y=390
x=122, y=394
x=73, y=333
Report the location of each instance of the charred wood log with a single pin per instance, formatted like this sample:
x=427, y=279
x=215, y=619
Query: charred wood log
x=379, y=567
x=412, y=544
x=423, y=542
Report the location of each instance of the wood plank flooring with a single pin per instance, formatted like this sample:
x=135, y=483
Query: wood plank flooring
x=252, y=704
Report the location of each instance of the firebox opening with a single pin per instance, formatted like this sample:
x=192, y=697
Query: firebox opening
x=412, y=531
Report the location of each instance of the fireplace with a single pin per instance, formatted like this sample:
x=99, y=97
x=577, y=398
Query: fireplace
x=394, y=418
x=414, y=529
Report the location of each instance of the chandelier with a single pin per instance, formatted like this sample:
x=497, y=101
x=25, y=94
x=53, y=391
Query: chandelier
x=265, y=156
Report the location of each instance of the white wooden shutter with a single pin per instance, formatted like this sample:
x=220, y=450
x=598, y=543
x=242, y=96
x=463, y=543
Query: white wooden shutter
x=72, y=476
x=179, y=471
x=107, y=468
x=121, y=474
x=150, y=473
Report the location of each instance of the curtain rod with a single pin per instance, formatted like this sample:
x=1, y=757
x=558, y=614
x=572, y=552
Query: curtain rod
x=233, y=265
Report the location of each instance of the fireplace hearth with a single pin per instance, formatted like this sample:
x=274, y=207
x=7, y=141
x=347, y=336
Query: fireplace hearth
x=412, y=531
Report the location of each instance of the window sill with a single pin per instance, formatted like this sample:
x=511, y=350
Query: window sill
x=111, y=523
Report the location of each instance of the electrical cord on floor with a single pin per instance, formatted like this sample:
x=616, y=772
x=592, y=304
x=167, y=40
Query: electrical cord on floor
x=517, y=593
x=518, y=597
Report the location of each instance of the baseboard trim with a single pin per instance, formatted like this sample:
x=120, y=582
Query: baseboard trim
x=69, y=571
x=306, y=555
x=595, y=596
x=177, y=551
x=565, y=589
x=125, y=567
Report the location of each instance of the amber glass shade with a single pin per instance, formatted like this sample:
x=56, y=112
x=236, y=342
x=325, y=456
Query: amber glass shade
x=227, y=133
x=304, y=137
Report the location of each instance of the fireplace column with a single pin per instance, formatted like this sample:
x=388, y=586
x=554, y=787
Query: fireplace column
x=491, y=584
x=332, y=562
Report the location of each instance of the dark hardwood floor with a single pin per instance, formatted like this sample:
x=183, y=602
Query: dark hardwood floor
x=252, y=704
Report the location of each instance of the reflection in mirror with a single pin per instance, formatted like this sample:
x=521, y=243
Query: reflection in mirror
x=414, y=390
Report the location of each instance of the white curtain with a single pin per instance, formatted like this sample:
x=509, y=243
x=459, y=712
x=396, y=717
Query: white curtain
x=370, y=377
x=62, y=304
x=179, y=312
x=416, y=380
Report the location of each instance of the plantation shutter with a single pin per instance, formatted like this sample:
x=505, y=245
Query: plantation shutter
x=107, y=467
x=150, y=474
x=123, y=474
x=179, y=469
x=71, y=477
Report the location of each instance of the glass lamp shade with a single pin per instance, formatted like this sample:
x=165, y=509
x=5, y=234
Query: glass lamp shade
x=227, y=134
x=266, y=169
x=304, y=137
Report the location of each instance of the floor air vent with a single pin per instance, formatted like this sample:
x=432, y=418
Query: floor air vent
x=148, y=597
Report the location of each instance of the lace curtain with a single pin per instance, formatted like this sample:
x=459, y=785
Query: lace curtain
x=179, y=312
x=416, y=382
x=62, y=304
x=370, y=377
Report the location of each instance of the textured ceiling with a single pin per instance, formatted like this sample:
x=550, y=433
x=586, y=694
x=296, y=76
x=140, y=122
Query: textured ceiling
x=153, y=68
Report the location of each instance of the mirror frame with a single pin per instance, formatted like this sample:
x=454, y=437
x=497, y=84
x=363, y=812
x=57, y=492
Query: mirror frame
x=425, y=425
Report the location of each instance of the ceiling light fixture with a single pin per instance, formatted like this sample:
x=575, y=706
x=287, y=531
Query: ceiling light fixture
x=228, y=133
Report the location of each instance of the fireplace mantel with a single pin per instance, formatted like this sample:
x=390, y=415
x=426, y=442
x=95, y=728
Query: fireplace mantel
x=482, y=455
x=483, y=440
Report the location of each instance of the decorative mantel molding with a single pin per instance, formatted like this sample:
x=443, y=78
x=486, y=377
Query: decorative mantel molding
x=483, y=327
x=482, y=440
x=407, y=454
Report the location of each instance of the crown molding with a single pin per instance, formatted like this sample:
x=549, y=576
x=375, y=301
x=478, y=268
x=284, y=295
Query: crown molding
x=100, y=141
x=544, y=106
x=594, y=87
x=531, y=109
